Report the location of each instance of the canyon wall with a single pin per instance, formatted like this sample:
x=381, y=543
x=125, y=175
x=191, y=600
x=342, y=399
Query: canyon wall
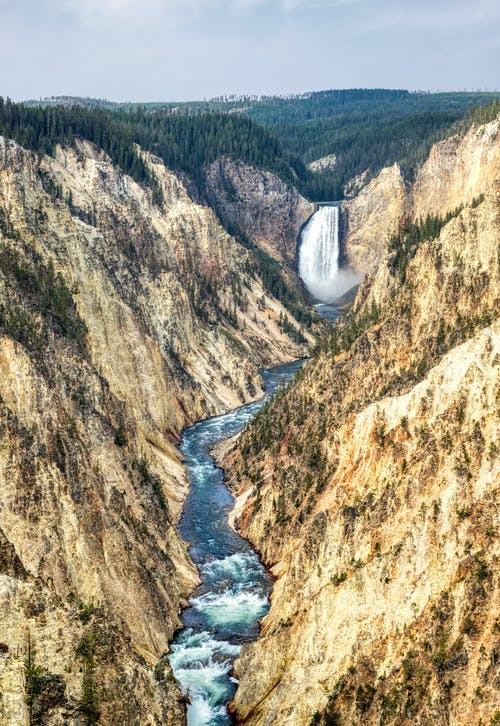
x=259, y=204
x=457, y=170
x=124, y=316
x=369, y=219
x=370, y=486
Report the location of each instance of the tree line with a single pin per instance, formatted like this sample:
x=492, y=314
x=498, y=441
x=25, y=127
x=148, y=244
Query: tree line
x=366, y=129
x=184, y=142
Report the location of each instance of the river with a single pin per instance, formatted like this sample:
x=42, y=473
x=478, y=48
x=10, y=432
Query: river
x=225, y=610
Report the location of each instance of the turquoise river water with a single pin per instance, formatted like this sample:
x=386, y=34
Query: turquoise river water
x=225, y=610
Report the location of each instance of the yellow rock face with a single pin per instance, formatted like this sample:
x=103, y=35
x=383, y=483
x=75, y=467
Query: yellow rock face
x=457, y=170
x=377, y=507
x=371, y=218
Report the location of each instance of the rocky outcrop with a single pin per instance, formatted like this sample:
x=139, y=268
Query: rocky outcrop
x=260, y=204
x=458, y=170
x=369, y=219
x=325, y=163
x=123, y=317
x=356, y=184
x=371, y=487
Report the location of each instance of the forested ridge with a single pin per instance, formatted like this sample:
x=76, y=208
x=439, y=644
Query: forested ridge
x=186, y=143
x=366, y=129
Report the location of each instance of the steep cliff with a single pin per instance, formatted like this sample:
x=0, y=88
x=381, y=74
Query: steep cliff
x=260, y=204
x=123, y=318
x=370, y=486
x=457, y=170
x=369, y=219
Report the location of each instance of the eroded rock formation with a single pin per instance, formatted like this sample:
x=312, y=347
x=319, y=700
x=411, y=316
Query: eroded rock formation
x=123, y=319
x=458, y=170
x=260, y=204
x=371, y=485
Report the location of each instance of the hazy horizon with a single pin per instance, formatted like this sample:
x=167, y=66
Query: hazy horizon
x=182, y=50
x=243, y=94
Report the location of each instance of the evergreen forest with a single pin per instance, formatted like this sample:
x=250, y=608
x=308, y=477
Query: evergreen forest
x=365, y=130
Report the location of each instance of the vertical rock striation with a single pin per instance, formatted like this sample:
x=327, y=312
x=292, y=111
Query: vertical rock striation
x=260, y=204
x=371, y=488
x=122, y=319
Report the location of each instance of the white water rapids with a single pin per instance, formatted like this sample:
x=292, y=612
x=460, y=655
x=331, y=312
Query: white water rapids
x=319, y=257
x=225, y=610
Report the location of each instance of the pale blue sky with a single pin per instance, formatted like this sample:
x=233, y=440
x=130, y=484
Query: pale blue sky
x=187, y=49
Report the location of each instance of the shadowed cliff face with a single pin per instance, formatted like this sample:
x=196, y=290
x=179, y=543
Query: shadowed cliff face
x=122, y=320
x=258, y=203
x=370, y=487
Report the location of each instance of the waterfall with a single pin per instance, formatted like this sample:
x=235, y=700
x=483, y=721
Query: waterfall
x=319, y=256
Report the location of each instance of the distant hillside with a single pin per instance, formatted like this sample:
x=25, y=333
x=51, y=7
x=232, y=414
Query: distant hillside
x=366, y=130
x=184, y=142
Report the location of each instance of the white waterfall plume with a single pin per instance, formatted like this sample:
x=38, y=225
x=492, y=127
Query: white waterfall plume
x=319, y=256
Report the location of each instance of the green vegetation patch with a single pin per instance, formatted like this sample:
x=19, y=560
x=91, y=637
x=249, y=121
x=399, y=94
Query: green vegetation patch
x=184, y=142
x=36, y=301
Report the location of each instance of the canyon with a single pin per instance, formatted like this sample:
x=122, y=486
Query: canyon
x=124, y=320
x=369, y=485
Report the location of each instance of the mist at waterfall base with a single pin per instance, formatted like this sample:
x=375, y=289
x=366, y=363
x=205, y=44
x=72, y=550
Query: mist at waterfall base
x=225, y=610
x=319, y=257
